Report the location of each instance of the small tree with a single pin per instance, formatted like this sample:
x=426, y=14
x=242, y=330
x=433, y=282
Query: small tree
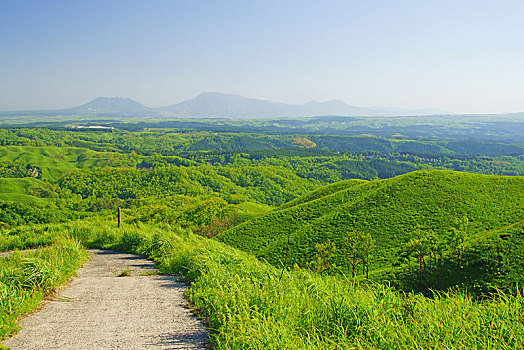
x=358, y=248
x=419, y=247
x=367, y=247
x=456, y=237
x=323, y=259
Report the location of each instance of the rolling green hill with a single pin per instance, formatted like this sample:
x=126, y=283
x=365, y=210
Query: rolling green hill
x=27, y=190
x=444, y=209
x=323, y=191
x=53, y=162
x=260, y=184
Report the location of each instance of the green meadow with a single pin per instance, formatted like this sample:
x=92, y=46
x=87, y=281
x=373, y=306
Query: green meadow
x=57, y=161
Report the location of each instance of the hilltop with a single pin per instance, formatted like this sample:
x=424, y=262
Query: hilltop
x=431, y=206
x=113, y=105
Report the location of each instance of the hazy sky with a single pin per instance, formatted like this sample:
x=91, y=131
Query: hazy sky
x=463, y=56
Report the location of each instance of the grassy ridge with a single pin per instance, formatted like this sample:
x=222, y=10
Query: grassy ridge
x=26, y=190
x=56, y=161
x=25, y=278
x=252, y=305
x=391, y=210
x=322, y=192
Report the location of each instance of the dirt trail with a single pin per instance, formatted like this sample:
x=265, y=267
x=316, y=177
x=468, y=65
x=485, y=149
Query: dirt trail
x=99, y=310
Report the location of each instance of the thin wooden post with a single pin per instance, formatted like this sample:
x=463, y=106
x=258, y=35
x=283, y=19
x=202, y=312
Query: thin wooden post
x=119, y=217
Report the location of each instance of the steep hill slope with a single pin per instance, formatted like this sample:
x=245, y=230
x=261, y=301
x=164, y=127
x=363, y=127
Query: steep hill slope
x=394, y=212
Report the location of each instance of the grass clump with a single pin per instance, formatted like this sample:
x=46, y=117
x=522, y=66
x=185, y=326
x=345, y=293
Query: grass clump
x=124, y=273
x=26, y=278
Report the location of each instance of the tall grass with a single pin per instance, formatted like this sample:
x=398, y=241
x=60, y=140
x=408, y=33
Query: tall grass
x=250, y=307
x=33, y=236
x=25, y=278
x=249, y=304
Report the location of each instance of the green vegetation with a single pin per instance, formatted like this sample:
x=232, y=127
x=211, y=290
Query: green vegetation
x=402, y=213
x=263, y=184
x=348, y=227
x=25, y=278
x=13, y=169
x=53, y=162
x=322, y=192
x=252, y=305
x=488, y=128
x=27, y=189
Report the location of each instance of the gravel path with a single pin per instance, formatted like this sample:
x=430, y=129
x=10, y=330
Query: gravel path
x=99, y=310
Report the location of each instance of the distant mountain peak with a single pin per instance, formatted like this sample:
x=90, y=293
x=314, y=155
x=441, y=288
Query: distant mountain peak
x=215, y=93
x=218, y=104
x=118, y=105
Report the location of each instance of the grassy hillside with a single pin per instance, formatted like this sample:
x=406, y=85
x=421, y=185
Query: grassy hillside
x=323, y=191
x=442, y=209
x=56, y=161
x=27, y=190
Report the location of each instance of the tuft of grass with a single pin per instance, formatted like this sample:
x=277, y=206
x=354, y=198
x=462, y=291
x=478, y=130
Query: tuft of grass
x=150, y=273
x=125, y=273
x=26, y=278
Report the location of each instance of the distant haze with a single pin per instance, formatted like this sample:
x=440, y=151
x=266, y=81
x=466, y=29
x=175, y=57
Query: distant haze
x=216, y=104
x=457, y=56
x=213, y=104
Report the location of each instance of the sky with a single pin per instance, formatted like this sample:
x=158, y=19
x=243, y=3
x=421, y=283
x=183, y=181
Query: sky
x=461, y=56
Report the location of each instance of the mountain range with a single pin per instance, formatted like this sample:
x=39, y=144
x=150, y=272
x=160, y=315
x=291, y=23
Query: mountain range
x=215, y=104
